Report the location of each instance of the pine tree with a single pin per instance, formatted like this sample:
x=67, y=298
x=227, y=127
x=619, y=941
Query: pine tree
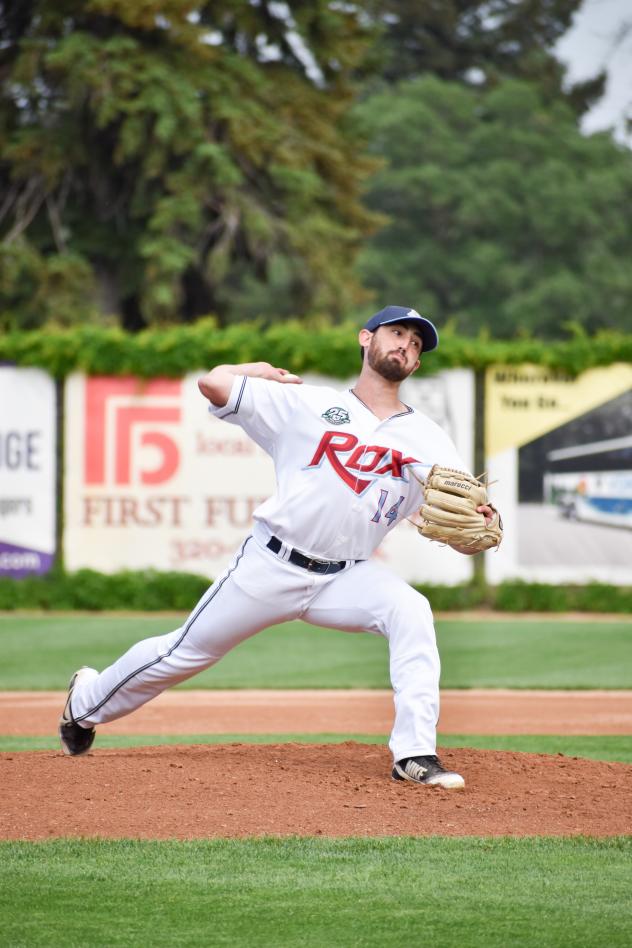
x=166, y=159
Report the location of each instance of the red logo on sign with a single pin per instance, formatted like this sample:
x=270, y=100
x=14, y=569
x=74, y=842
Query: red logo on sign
x=364, y=458
x=115, y=407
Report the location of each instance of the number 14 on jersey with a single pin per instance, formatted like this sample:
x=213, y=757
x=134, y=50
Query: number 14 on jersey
x=391, y=515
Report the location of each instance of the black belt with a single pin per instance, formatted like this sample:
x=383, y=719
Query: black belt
x=306, y=562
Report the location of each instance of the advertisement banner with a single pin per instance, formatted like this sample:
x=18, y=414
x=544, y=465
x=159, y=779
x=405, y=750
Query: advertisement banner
x=28, y=442
x=153, y=480
x=560, y=449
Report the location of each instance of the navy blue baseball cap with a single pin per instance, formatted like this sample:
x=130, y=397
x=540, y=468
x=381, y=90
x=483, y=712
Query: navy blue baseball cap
x=402, y=314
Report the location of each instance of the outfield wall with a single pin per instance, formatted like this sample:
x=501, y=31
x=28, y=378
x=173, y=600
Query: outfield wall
x=151, y=480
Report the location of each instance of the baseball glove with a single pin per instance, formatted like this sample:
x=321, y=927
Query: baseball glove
x=449, y=513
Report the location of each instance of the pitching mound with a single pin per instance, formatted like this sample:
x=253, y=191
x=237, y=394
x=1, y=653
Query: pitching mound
x=235, y=790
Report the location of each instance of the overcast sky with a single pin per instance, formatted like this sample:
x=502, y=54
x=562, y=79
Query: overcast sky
x=601, y=38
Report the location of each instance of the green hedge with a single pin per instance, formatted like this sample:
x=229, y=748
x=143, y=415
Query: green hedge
x=147, y=591
x=519, y=596
x=153, y=591
x=308, y=346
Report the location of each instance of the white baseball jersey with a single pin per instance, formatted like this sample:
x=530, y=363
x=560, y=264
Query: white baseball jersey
x=344, y=478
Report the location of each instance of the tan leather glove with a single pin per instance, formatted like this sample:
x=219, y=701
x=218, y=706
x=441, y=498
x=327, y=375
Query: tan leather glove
x=449, y=513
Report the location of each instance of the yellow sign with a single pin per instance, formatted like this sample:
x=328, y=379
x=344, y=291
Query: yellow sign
x=524, y=402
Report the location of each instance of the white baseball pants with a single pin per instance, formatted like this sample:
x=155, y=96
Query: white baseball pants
x=260, y=589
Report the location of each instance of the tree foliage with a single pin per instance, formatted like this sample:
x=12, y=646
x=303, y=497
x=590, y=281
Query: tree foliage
x=167, y=157
x=502, y=215
x=479, y=42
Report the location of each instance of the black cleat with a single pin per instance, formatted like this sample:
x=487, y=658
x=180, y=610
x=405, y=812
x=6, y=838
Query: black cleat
x=75, y=739
x=427, y=770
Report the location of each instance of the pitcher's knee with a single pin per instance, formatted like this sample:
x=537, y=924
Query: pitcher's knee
x=411, y=608
x=411, y=638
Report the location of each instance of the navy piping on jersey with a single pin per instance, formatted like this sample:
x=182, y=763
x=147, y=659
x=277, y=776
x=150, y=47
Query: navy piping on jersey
x=155, y=661
x=399, y=414
x=234, y=410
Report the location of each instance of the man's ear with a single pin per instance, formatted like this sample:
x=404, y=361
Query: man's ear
x=364, y=337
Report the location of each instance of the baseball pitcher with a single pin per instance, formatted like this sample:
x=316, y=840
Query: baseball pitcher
x=350, y=465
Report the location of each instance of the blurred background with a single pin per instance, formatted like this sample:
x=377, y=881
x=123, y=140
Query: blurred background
x=187, y=183
x=163, y=161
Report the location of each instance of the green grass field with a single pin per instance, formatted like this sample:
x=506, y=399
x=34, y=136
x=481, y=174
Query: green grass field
x=598, y=747
x=318, y=893
x=465, y=892
x=42, y=652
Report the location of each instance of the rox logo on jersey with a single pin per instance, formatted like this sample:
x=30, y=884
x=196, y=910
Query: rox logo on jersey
x=363, y=459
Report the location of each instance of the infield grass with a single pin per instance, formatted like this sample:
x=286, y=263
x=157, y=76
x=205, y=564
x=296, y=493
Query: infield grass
x=617, y=747
x=40, y=653
x=468, y=892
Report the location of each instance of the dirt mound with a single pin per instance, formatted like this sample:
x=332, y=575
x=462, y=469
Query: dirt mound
x=238, y=790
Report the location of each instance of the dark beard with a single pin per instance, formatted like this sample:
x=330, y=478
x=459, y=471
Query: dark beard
x=388, y=368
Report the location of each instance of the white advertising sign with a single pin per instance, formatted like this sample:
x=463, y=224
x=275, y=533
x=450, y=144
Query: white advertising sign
x=27, y=471
x=152, y=480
